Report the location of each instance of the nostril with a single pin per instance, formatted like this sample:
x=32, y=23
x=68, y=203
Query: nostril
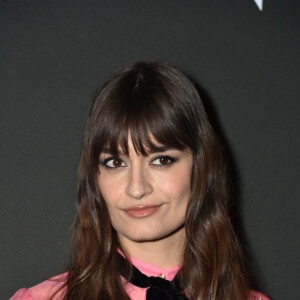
x=138, y=188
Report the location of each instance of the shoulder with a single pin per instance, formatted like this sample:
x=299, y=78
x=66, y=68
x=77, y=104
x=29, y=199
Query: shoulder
x=255, y=295
x=44, y=290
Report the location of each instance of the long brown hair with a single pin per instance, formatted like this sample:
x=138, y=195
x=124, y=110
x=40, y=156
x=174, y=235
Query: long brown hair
x=157, y=100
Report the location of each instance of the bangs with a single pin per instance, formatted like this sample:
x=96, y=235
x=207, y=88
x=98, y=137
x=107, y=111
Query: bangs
x=144, y=137
x=151, y=107
x=146, y=115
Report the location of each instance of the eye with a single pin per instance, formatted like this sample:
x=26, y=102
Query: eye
x=163, y=160
x=113, y=163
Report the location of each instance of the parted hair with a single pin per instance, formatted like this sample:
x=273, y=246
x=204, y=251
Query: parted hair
x=150, y=101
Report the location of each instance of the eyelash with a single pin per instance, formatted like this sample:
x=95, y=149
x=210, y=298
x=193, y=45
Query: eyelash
x=170, y=159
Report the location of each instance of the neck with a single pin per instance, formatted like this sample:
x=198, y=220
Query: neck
x=164, y=253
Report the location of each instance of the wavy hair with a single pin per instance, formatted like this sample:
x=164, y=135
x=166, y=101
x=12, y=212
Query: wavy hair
x=155, y=100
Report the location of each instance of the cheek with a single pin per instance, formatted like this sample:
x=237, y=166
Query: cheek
x=177, y=186
x=108, y=190
x=110, y=195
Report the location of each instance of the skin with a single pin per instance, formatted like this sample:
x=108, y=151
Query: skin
x=137, y=182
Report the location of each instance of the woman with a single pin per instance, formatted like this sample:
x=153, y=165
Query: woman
x=152, y=211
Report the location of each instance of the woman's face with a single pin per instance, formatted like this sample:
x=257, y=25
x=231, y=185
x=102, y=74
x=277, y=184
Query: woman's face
x=147, y=196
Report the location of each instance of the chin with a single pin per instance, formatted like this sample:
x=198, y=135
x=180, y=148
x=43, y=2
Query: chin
x=143, y=236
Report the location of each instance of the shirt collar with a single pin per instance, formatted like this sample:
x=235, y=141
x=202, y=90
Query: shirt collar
x=151, y=270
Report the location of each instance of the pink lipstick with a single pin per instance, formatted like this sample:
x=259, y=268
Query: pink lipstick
x=141, y=211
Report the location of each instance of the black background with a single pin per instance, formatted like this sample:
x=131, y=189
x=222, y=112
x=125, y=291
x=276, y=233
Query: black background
x=53, y=54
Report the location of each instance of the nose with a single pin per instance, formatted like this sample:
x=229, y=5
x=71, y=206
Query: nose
x=139, y=184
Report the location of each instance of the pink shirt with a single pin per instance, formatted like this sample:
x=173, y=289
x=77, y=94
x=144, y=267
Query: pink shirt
x=44, y=290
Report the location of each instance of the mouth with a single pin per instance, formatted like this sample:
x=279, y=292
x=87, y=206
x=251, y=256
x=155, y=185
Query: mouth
x=142, y=211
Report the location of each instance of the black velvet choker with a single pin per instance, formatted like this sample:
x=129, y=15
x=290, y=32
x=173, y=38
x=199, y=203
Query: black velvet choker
x=159, y=288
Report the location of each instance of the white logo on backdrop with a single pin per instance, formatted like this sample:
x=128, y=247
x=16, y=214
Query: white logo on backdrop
x=259, y=4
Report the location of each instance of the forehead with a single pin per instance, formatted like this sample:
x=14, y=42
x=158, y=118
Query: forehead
x=143, y=148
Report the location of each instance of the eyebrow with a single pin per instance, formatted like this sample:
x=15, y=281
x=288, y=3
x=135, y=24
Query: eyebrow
x=151, y=151
x=161, y=149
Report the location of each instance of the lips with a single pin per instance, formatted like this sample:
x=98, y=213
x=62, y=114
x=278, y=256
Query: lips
x=141, y=211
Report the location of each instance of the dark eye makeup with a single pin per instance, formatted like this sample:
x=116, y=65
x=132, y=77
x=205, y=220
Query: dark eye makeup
x=159, y=161
x=163, y=161
x=112, y=163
